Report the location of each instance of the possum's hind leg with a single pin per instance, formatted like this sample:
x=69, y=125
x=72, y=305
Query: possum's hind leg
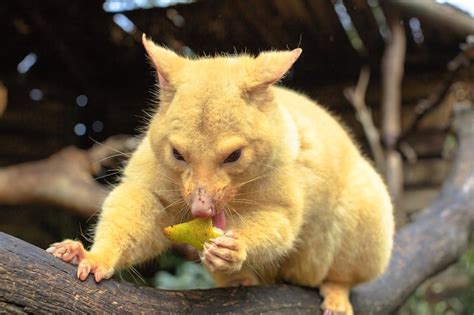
x=74, y=252
x=243, y=277
x=336, y=299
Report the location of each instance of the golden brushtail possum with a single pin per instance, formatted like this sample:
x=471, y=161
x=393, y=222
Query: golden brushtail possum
x=274, y=170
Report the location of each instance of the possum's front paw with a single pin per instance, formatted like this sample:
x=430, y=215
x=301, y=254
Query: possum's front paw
x=90, y=265
x=225, y=253
x=75, y=253
x=68, y=250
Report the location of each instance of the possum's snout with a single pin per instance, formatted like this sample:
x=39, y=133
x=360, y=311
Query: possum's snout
x=202, y=205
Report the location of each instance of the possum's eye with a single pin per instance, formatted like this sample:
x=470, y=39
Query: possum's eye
x=234, y=156
x=178, y=155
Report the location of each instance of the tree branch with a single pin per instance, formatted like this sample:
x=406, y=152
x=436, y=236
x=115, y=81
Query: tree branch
x=64, y=179
x=33, y=281
x=420, y=249
x=356, y=96
x=392, y=74
x=439, y=14
x=437, y=96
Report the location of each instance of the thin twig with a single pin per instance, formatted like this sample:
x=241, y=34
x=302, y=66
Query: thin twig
x=356, y=96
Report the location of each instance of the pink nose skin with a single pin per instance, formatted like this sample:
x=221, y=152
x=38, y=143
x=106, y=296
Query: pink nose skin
x=202, y=205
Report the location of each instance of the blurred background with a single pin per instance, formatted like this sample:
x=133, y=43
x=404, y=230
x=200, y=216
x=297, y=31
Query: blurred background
x=73, y=74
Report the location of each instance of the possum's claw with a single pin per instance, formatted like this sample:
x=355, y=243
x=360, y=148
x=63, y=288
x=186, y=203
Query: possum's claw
x=224, y=254
x=87, y=266
x=69, y=251
x=74, y=252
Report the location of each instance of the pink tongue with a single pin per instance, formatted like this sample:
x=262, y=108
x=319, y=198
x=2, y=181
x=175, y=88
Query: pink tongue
x=218, y=220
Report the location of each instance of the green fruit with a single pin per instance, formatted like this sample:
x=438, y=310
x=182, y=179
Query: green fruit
x=195, y=232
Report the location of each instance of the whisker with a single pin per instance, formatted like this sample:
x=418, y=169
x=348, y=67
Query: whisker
x=133, y=276
x=272, y=166
x=81, y=232
x=95, y=214
x=133, y=271
x=107, y=175
x=254, y=192
x=167, y=190
x=242, y=219
x=253, y=269
x=254, y=179
x=182, y=212
x=274, y=169
x=162, y=176
x=176, y=202
x=246, y=201
x=106, y=146
x=174, y=182
x=228, y=213
x=112, y=156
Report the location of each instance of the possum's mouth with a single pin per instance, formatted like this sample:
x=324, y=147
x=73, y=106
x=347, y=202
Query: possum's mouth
x=218, y=220
x=204, y=206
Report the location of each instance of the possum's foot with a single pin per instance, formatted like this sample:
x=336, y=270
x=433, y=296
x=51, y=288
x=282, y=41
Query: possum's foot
x=90, y=265
x=74, y=252
x=224, y=254
x=245, y=277
x=68, y=250
x=336, y=299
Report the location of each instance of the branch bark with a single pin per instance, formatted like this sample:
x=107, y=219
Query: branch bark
x=33, y=281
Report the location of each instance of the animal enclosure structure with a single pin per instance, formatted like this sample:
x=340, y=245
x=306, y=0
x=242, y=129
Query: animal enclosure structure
x=75, y=74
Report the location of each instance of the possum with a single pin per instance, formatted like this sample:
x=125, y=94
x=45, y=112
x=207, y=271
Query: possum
x=284, y=180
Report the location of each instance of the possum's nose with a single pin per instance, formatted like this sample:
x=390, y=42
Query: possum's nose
x=202, y=205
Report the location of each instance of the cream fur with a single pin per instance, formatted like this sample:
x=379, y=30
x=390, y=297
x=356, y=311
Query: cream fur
x=307, y=206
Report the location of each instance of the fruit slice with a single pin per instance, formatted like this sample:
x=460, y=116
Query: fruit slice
x=195, y=232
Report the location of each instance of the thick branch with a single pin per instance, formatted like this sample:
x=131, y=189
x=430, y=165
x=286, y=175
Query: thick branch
x=33, y=281
x=435, y=239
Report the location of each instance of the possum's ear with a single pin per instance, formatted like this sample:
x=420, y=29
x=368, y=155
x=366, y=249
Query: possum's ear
x=165, y=61
x=272, y=66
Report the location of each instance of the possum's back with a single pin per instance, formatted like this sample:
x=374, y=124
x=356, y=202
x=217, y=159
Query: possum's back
x=320, y=133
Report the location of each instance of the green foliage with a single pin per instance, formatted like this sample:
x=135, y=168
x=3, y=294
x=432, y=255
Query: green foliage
x=169, y=262
x=454, y=302
x=188, y=275
x=467, y=261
